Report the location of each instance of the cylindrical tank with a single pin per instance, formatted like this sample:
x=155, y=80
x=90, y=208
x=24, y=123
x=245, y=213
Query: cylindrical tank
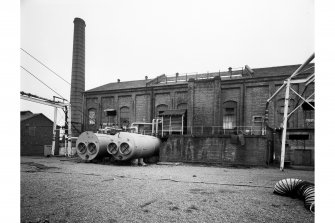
x=126, y=146
x=92, y=145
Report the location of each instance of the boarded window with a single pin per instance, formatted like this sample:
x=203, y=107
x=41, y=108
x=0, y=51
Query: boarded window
x=303, y=136
x=125, y=116
x=91, y=116
x=229, y=114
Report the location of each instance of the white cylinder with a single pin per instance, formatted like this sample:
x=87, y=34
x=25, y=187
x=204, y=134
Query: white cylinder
x=126, y=146
x=92, y=145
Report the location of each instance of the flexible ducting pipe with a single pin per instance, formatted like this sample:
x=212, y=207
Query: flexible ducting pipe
x=297, y=188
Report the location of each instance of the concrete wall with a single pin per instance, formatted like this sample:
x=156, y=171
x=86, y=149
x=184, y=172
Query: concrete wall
x=218, y=150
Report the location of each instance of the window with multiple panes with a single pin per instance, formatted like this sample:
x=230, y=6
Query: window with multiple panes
x=124, y=116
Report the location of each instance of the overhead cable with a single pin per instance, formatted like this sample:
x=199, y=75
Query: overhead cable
x=45, y=66
x=42, y=82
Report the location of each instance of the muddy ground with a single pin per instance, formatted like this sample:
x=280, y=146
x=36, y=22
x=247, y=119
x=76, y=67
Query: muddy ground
x=61, y=189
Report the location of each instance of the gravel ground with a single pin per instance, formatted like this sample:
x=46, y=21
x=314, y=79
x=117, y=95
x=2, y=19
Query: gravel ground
x=60, y=189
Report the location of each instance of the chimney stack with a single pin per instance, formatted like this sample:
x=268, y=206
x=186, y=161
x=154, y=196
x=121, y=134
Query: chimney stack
x=78, y=76
x=230, y=70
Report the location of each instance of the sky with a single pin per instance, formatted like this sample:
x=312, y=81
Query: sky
x=129, y=40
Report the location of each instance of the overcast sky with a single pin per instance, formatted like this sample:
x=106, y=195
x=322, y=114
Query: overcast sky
x=133, y=39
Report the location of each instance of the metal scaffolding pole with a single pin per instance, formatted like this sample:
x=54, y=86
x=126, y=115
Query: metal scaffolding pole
x=287, y=84
x=54, y=132
x=69, y=134
x=283, y=140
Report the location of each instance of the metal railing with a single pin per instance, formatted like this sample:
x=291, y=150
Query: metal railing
x=165, y=79
x=212, y=130
x=219, y=130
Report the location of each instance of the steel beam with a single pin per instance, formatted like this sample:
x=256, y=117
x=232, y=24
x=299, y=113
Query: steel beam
x=283, y=141
x=58, y=105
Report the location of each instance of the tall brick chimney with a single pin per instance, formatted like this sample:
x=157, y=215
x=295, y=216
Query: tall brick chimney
x=78, y=76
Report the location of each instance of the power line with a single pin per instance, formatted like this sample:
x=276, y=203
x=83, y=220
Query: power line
x=51, y=71
x=42, y=82
x=45, y=66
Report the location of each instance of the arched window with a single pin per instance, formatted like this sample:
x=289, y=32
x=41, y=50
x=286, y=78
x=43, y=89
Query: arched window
x=91, y=116
x=124, y=116
x=229, y=114
x=160, y=109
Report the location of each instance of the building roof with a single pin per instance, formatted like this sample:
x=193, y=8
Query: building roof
x=25, y=115
x=278, y=71
x=120, y=85
x=258, y=72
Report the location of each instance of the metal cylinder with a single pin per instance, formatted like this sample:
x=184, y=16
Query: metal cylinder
x=126, y=146
x=78, y=75
x=92, y=145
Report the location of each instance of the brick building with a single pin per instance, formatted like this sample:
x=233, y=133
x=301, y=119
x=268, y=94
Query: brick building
x=217, y=107
x=36, y=131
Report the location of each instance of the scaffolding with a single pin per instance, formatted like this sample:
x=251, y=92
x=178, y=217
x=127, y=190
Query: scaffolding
x=293, y=79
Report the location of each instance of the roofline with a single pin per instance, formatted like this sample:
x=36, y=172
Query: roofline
x=34, y=115
x=249, y=79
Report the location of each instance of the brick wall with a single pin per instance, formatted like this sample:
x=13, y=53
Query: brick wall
x=203, y=103
x=203, y=100
x=163, y=98
x=125, y=101
x=92, y=103
x=180, y=100
x=278, y=101
x=107, y=103
x=142, y=108
x=233, y=94
x=78, y=75
x=255, y=101
x=297, y=152
x=214, y=150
